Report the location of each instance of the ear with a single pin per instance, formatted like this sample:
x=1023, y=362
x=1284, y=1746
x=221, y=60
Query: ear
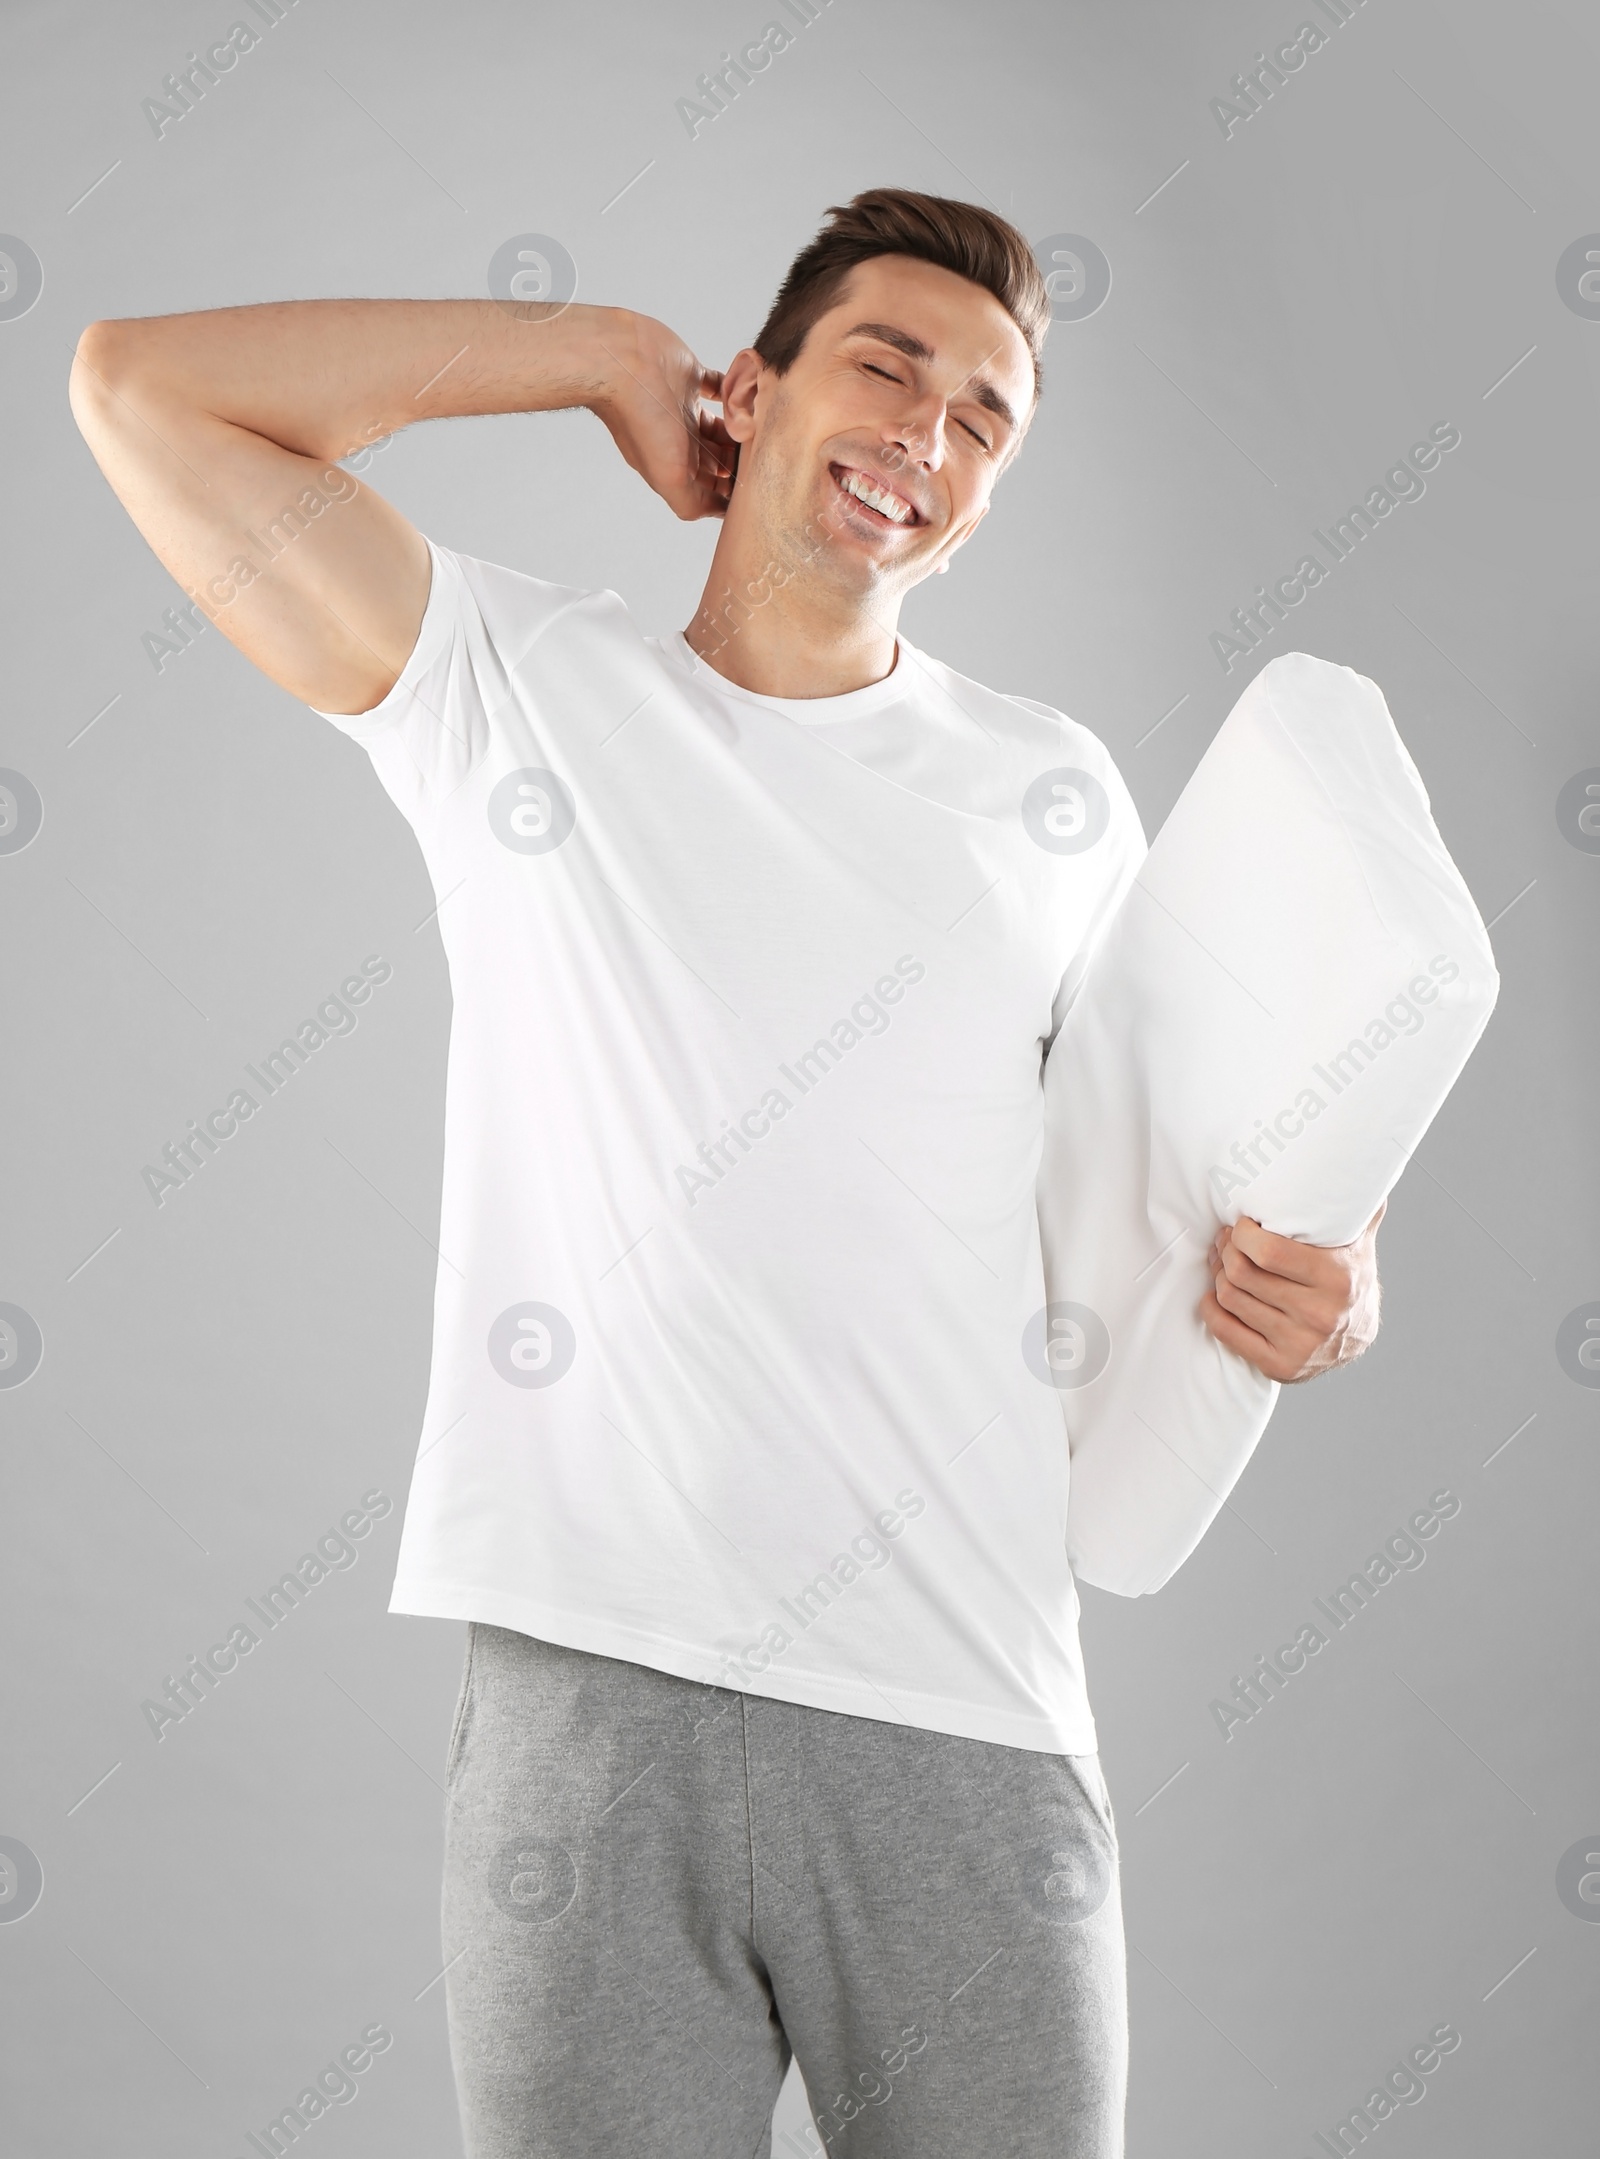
x=742, y=380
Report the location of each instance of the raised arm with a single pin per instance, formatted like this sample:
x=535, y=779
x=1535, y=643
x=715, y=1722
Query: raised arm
x=221, y=434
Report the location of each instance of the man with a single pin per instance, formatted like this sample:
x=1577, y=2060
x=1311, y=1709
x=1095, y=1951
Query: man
x=773, y=1733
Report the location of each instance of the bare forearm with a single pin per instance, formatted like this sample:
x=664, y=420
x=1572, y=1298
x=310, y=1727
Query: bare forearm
x=322, y=377
x=216, y=427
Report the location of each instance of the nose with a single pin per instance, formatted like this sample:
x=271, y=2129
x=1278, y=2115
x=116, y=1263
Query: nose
x=916, y=434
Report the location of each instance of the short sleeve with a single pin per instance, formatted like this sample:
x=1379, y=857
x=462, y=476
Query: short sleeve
x=434, y=727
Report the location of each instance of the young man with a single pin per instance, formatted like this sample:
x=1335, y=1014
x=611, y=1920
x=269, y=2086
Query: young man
x=773, y=1733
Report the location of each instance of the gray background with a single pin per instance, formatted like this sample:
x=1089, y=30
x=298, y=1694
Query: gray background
x=1368, y=255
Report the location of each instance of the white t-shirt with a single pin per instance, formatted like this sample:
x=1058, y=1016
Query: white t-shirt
x=734, y=1362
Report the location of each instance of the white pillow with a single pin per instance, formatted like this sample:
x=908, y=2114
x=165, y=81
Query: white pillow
x=1275, y=1013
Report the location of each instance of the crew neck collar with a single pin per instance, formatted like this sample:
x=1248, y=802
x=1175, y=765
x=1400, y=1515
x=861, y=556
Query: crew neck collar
x=811, y=711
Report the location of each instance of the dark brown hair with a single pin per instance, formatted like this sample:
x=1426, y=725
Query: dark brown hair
x=956, y=236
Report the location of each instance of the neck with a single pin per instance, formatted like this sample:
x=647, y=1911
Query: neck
x=770, y=623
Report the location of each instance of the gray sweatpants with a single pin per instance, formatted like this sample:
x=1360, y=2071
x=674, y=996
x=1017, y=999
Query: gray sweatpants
x=654, y=1890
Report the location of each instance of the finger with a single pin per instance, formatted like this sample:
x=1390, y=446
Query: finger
x=1300, y=1301
x=1279, y=1255
x=694, y=495
x=721, y=448
x=1262, y=1314
x=704, y=473
x=716, y=482
x=695, y=504
x=1283, y=1353
x=711, y=427
x=1321, y=1273
x=1309, y=1316
x=1233, y=1334
x=1281, y=1365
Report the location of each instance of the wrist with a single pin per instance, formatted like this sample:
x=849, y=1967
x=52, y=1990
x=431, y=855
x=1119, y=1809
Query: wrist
x=594, y=344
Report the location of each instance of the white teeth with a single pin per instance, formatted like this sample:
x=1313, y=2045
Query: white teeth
x=888, y=505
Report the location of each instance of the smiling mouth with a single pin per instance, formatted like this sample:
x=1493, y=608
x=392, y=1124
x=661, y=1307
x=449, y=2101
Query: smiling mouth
x=878, y=504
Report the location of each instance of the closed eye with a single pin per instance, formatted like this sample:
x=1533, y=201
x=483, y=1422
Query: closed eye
x=872, y=368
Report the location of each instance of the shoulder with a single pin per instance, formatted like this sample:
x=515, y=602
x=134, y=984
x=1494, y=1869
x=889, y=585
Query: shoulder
x=1038, y=742
x=516, y=607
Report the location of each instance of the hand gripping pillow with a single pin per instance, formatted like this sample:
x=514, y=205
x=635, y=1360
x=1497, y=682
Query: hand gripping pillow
x=1276, y=1011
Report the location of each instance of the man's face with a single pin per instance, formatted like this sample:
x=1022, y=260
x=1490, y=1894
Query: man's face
x=916, y=387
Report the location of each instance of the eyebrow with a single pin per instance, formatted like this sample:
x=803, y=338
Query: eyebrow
x=915, y=349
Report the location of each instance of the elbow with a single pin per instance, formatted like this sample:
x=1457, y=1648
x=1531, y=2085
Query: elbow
x=101, y=367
